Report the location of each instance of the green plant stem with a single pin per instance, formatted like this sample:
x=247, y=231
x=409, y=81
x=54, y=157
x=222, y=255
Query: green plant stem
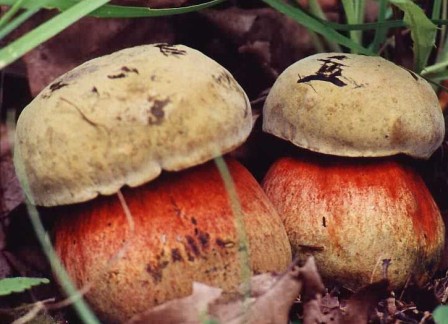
x=436, y=9
x=239, y=221
x=354, y=12
x=47, y=30
x=79, y=304
x=380, y=31
x=16, y=22
x=435, y=68
x=83, y=310
x=10, y=13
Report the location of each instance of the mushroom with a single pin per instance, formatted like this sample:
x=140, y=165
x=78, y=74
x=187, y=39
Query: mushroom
x=350, y=198
x=116, y=122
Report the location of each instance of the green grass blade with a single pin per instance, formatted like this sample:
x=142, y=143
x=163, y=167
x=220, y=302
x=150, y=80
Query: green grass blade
x=370, y=26
x=423, y=31
x=435, y=67
x=436, y=9
x=10, y=13
x=81, y=307
x=239, y=221
x=83, y=310
x=354, y=13
x=114, y=11
x=380, y=31
x=316, y=25
x=47, y=30
x=17, y=21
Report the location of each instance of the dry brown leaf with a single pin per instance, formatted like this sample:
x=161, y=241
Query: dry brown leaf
x=270, y=301
x=190, y=309
x=361, y=305
x=275, y=40
x=78, y=44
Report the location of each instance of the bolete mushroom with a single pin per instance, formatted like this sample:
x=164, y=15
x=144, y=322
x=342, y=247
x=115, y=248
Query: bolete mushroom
x=118, y=121
x=353, y=203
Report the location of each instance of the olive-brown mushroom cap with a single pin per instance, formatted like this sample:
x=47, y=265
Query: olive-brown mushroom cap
x=353, y=105
x=120, y=119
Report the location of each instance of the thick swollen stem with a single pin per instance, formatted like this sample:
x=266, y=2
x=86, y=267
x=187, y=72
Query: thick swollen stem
x=184, y=231
x=352, y=214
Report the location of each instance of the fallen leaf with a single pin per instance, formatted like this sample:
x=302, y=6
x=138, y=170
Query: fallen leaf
x=189, y=309
x=269, y=302
x=77, y=43
x=361, y=305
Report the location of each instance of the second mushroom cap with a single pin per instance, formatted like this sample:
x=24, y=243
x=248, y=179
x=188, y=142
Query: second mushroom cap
x=354, y=105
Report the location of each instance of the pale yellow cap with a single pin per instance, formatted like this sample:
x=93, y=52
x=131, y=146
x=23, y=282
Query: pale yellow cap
x=354, y=105
x=120, y=119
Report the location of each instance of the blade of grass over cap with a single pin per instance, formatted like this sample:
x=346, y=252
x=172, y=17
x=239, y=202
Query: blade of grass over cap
x=114, y=11
x=47, y=30
x=239, y=223
x=423, y=31
x=316, y=26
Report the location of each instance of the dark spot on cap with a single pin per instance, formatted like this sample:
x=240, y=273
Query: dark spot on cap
x=125, y=70
x=57, y=85
x=330, y=71
x=338, y=57
x=224, y=243
x=175, y=255
x=94, y=90
x=116, y=76
x=170, y=50
x=128, y=69
x=157, y=113
x=324, y=222
x=194, y=221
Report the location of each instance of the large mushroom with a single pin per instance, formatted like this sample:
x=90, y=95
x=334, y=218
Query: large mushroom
x=118, y=121
x=350, y=198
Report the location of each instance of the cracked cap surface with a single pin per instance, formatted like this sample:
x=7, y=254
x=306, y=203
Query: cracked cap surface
x=120, y=119
x=354, y=105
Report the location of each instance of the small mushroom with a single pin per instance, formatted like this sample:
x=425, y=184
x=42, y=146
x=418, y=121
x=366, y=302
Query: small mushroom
x=356, y=206
x=116, y=122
